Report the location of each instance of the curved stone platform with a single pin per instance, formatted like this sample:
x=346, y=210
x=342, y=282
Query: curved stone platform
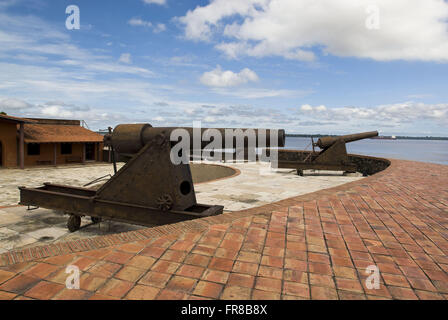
x=80, y=175
x=236, y=187
x=314, y=246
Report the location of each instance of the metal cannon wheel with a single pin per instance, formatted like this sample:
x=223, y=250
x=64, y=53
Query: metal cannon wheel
x=74, y=223
x=96, y=219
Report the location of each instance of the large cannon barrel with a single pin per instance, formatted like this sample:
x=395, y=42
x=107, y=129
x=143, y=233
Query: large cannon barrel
x=130, y=138
x=326, y=142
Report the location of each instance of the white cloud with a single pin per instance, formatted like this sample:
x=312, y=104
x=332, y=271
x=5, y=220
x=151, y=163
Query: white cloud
x=137, y=22
x=259, y=93
x=210, y=119
x=48, y=42
x=397, y=113
x=400, y=118
x=13, y=104
x=408, y=29
x=221, y=78
x=306, y=107
x=156, y=28
x=125, y=58
x=159, y=2
x=59, y=109
x=160, y=27
x=56, y=111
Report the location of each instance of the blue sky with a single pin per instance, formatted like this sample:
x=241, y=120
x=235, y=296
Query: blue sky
x=307, y=66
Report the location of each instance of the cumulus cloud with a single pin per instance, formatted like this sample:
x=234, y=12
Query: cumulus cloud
x=307, y=108
x=399, y=118
x=407, y=29
x=59, y=110
x=220, y=78
x=14, y=105
x=397, y=113
x=125, y=58
x=56, y=111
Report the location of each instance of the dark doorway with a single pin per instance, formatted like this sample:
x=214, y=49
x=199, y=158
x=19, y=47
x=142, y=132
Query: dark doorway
x=90, y=151
x=33, y=149
x=1, y=154
x=66, y=148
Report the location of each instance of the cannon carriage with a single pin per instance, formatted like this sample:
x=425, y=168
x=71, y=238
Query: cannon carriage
x=333, y=155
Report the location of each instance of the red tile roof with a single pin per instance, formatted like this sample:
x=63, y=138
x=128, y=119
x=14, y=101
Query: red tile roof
x=44, y=133
x=12, y=119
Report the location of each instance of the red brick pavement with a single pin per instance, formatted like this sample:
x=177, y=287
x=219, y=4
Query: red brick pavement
x=316, y=246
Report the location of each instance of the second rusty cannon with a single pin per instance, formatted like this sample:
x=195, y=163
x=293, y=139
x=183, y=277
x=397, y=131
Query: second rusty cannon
x=150, y=189
x=333, y=155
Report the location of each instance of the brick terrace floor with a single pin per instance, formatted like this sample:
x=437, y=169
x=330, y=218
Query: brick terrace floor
x=315, y=246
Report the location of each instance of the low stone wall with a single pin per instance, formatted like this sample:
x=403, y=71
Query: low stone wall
x=369, y=165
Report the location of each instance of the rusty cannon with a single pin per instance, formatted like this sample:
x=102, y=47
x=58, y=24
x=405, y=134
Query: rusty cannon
x=128, y=139
x=150, y=189
x=333, y=154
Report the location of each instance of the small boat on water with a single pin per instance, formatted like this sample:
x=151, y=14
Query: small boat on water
x=385, y=137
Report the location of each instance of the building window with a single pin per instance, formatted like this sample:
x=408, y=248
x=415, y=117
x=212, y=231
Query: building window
x=33, y=149
x=66, y=148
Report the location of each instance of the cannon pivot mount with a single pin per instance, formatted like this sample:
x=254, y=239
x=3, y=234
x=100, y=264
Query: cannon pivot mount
x=148, y=190
x=333, y=154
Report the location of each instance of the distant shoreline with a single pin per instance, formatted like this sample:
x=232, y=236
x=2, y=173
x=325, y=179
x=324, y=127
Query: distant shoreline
x=385, y=138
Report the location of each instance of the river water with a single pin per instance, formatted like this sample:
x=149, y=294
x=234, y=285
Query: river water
x=435, y=151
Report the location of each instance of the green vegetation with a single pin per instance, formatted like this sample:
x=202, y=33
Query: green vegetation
x=309, y=135
x=3, y=113
x=422, y=138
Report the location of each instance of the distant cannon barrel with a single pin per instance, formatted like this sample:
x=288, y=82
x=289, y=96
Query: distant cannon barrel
x=131, y=138
x=326, y=142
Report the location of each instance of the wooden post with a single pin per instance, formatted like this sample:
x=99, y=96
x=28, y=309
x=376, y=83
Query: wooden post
x=83, y=153
x=21, y=147
x=55, y=154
